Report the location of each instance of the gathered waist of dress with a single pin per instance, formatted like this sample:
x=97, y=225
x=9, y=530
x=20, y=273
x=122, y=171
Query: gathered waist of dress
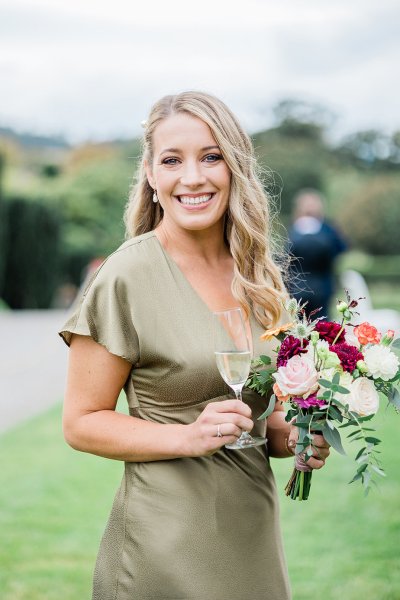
x=186, y=414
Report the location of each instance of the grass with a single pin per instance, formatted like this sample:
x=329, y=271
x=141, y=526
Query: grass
x=339, y=544
x=54, y=504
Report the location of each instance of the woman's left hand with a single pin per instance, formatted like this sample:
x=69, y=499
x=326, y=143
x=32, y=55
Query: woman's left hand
x=320, y=448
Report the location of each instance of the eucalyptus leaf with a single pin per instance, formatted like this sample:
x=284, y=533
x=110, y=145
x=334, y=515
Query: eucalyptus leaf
x=336, y=378
x=394, y=397
x=366, y=479
x=332, y=436
x=372, y=440
x=339, y=404
x=361, y=460
x=356, y=477
x=335, y=414
x=270, y=408
x=350, y=423
x=380, y=472
x=357, y=438
x=266, y=360
x=362, y=468
x=396, y=344
x=342, y=390
x=359, y=453
x=363, y=419
x=325, y=383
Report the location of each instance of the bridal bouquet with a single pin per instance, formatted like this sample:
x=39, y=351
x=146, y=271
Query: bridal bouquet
x=331, y=376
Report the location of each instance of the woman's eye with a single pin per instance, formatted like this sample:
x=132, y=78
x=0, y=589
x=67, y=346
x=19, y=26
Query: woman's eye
x=210, y=158
x=170, y=161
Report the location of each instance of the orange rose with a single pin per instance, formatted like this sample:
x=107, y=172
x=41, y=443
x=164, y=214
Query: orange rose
x=270, y=333
x=277, y=391
x=367, y=334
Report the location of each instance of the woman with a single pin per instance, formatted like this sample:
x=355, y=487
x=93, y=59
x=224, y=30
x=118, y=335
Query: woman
x=191, y=520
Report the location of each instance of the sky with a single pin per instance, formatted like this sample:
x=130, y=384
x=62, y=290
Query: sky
x=91, y=69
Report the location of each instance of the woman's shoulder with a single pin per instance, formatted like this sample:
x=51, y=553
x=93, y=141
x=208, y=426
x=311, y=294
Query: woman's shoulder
x=136, y=247
x=127, y=264
x=132, y=254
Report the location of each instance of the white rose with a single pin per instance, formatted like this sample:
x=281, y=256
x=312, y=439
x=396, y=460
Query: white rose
x=363, y=398
x=381, y=362
x=298, y=378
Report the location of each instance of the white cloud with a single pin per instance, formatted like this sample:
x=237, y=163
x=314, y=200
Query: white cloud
x=93, y=68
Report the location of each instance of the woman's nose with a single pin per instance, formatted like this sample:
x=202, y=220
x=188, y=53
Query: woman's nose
x=192, y=174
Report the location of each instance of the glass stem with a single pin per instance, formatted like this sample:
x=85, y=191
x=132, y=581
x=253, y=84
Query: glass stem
x=245, y=434
x=238, y=394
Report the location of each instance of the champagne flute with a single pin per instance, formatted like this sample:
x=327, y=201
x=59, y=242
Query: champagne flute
x=233, y=356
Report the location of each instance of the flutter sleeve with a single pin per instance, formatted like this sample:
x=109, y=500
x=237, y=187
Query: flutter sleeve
x=104, y=313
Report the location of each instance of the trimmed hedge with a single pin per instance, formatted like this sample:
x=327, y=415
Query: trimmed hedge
x=31, y=253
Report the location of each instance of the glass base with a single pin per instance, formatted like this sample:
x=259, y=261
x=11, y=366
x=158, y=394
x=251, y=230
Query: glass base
x=246, y=441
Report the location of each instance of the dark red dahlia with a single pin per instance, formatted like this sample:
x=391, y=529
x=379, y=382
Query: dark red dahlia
x=328, y=331
x=348, y=355
x=290, y=347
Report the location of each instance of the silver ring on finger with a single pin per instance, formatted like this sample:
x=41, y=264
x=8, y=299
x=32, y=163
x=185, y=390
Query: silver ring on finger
x=219, y=434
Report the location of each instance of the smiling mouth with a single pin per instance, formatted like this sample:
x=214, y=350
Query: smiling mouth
x=194, y=201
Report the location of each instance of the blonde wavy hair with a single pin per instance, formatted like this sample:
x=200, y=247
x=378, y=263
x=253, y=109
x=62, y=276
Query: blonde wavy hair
x=257, y=283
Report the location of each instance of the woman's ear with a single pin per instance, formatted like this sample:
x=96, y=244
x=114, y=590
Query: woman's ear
x=149, y=174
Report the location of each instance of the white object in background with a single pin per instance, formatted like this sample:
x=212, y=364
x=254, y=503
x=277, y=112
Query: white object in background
x=382, y=318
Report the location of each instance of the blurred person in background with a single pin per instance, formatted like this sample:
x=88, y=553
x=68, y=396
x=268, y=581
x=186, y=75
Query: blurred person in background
x=192, y=519
x=315, y=244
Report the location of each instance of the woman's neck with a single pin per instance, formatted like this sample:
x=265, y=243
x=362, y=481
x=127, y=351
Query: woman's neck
x=207, y=246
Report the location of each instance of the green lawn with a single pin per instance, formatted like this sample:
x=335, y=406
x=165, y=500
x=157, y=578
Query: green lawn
x=54, y=503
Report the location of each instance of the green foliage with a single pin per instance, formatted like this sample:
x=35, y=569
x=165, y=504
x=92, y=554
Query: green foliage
x=291, y=163
x=372, y=150
x=371, y=216
x=31, y=254
x=92, y=204
x=88, y=185
x=50, y=170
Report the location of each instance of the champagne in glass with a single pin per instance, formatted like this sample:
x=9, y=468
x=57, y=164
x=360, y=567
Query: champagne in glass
x=232, y=353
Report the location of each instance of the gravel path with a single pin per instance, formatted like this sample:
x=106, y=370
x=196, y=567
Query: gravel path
x=33, y=361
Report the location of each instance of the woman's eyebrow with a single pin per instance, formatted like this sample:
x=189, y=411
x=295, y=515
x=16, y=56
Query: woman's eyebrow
x=177, y=150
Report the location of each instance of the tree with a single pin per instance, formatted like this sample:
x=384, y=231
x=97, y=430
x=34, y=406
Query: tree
x=371, y=216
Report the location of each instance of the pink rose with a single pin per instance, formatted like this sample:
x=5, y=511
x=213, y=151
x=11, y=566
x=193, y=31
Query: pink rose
x=298, y=377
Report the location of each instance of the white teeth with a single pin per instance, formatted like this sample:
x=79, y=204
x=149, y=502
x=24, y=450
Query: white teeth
x=197, y=200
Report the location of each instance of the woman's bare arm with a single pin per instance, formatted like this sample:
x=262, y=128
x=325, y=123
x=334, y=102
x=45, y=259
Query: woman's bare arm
x=278, y=431
x=90, y=423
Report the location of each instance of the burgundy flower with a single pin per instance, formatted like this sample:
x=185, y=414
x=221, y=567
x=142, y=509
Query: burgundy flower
x=328, y=331
x=290, y=347
x=309, y=402
x=348, y=355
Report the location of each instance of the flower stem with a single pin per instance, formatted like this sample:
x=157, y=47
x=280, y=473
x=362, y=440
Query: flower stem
x=339, y=332
x=301, y=490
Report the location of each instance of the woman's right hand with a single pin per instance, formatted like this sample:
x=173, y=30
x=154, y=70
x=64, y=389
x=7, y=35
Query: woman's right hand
x=219, y=423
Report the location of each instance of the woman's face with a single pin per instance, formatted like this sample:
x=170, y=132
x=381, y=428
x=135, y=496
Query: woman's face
x=189, y=173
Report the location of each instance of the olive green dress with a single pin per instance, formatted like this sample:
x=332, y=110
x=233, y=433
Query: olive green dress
x=203, y=528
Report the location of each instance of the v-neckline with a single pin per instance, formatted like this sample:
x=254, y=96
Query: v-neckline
x=174, y=265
